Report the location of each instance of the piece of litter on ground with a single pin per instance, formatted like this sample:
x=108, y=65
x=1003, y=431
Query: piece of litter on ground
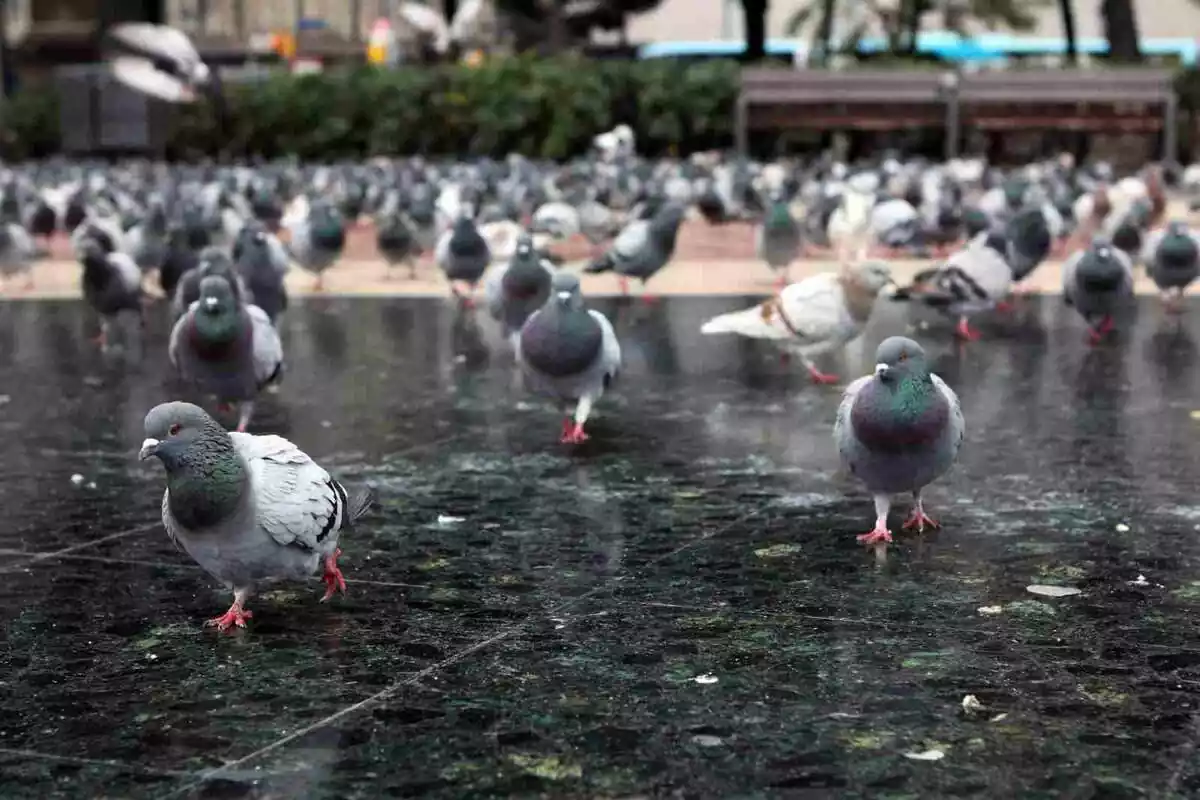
x=999, y=718
x=971, y=703
x=1195, y=414
x=326, y=423
x=706, y=740
x=706, y=679
x=1122, y=527
x=926, y=755
x=446, y=519
x=76, y=479
x=91, y=484
x=1141, y=581
x=1052, y=591
x=460, y=359
x=5, y=399
x=990, y=609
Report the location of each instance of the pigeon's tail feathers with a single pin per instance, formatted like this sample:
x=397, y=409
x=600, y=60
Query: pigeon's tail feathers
x=604, y=263
x=359, y=503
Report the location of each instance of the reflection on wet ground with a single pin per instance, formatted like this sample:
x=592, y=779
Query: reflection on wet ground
x=678, y=607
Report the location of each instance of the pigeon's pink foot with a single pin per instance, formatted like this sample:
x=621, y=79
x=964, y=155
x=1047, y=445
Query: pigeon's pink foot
x=334, y=582
x=576, y=435
x=876, y=536
x=241, y=427
x=822, y=378
x=236, y=615
x=965, y=331
x=468, y=302
x=567, y=427
x=1005, y=307
x=650, y=299
x=918, y=519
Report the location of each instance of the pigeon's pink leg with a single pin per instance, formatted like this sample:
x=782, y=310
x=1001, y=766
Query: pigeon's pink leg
x=918, y=518
x=567, y=427
x=781, y=282
x=334, y=582
x=319, y=283
x=880, y=533
x=576, y=435
x=236, y=615
x=1173, y=301
x=965, y=331
x=624, y=283
x=650, y=299
x=822, y=378
x=1005, y=307
x=1095, y=335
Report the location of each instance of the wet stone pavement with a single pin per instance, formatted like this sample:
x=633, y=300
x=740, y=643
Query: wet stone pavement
x=676, y=608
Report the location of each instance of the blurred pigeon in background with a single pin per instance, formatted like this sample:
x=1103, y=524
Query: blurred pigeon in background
x=112, y=283
x=1097, y=282
x=517, y=289
x=1172, y=258
x=642, y=248
x=463, y=255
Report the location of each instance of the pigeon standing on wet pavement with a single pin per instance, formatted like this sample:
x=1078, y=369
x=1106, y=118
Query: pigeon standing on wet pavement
x=517, y=289
x=897, y=431
x=112, y=283
x=227, y=347
x=1173, y=262
x=972, y=280
x=1098, y=282
x=397, y=242
x=817, y=315
x=248, y=509
x=778, y=238
x=643, y=247
x=262, y=263
x=316, y=238
x=569, y=352
x=464, y=255
x=1029, y=242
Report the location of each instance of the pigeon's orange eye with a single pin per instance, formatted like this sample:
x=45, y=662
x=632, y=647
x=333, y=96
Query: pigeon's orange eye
x=174, y=429
x=904, y=356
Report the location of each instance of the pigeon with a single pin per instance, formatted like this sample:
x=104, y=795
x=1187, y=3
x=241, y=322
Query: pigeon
x=248, y=509
x=897, y=431
x=397, y=242
x=212, y=261
x=971, y=280
x=147, y=241
x=1096, y=283
x=1173, y=261
x=643, y=247
x=463, y=254
x=180, y=259
x=517, y=289
x=227, y=347
x=1029, y=240
x=261, y=262
x=317, y=237
x=778, y=238
x=569, y=352
x=819, y=314
x=158, y=61
x=112, y=283
x=17, y=252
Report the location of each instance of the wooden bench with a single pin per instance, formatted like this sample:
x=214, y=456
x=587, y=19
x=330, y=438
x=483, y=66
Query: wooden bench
x=778, y=99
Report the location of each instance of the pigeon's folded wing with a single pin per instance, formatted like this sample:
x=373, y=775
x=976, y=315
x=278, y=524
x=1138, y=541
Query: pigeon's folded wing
x=267, y=347
x=957, y=424
x=631, y=240
x=295, y=500
x=610, y=347
x=127, y=271
x=842, y=432
x=814, y=309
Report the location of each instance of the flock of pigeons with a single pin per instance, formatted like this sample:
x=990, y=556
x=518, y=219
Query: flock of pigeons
x=219, y=241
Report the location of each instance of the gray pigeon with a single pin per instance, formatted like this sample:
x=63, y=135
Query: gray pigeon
x=397, y=241
x=112, y=283
x=463, y=254
x=897, y=431
x=227, y=347
x=248, y=509
x=261, y=263
x=569, y=352
x=1173, y=263
x=643, y=247
x=17, y=252
x=778, y=238
x=211, y=261
x=1097, y=282
x=517, y=289
x=147, y=241
x=316, y=239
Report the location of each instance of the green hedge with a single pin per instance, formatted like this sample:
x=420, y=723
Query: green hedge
x=539, y=107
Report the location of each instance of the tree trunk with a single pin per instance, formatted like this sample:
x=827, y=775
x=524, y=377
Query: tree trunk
x=911, y=25
x=755, y=12
x=1120, y=28
x=1067, y=8
x=556, y=30
x=825, y=32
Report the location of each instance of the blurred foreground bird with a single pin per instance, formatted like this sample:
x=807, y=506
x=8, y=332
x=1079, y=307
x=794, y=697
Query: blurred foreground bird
x=778, y=238
x=817, y=315
x=248, y=509
x=569, y=353
x=157, y=60
x=226, y=347
x=898, y=430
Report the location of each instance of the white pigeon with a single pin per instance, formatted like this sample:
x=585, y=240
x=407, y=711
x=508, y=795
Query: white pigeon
x=849, y=228
x=815, y=316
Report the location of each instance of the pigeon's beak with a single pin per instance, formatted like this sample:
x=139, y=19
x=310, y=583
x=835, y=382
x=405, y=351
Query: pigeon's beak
x=563, y=296
x=210, y=303
x=881, y=370
x=149, y=448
